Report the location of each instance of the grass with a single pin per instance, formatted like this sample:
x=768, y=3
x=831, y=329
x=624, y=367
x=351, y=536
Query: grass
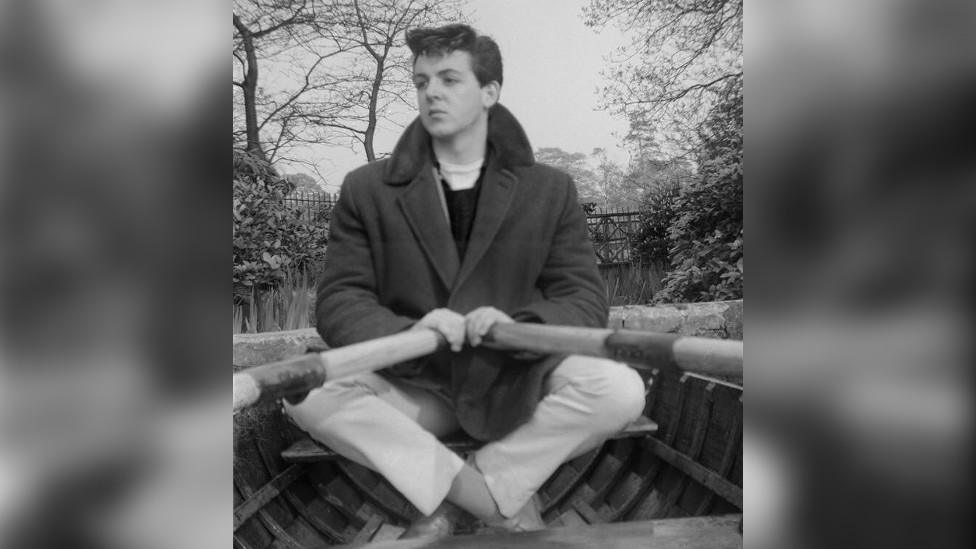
x=631, y=284
x=287, y=307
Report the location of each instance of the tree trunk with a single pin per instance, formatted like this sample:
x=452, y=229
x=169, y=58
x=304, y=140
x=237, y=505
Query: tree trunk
x=250, y=86
x=373, y=101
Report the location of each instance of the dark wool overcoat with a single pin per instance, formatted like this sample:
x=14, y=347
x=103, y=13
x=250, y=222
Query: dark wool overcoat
x=391, y=259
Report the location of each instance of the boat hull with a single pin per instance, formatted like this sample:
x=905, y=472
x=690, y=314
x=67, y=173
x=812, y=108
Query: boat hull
x=691, y=467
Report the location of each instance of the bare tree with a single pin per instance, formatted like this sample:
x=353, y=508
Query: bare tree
x=609, y=181
x=574, y=164
x=339, y=72
x=682, y=55
x=376, y=80
x=257, y=21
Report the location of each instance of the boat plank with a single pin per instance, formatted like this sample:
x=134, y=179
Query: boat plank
x=720, y=485
x=388, y=532
x=717, y=532
x=307, y=450
x=571, y=518
x=265, y=494
x=372, y=526
x=588, y=513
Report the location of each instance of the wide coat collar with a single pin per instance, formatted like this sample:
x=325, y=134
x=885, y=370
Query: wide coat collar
x=410, y=163
x=505, y=135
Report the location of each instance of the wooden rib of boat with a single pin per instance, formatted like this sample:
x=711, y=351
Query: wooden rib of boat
x=691, y=466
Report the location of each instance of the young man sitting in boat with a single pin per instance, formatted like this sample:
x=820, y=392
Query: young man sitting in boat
x=458, y=230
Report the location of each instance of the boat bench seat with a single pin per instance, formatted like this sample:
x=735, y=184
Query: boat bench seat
x=308, y=450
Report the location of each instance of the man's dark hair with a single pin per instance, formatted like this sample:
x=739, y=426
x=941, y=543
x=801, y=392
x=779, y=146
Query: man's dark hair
x=486, y=59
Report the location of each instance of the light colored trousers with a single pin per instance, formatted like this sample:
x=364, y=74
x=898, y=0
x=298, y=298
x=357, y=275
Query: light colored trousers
x=393, y=428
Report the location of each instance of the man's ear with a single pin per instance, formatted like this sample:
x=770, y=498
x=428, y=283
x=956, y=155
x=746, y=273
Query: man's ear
x=490, y=93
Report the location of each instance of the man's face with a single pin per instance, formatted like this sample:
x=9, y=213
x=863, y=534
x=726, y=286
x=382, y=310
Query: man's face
x=452, y=102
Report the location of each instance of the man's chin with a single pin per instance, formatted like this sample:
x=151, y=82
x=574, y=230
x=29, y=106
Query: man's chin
x=438, y=131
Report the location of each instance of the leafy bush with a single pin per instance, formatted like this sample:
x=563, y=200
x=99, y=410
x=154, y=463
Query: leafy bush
x=657, y=213
x=270, y=239
x=705, y=234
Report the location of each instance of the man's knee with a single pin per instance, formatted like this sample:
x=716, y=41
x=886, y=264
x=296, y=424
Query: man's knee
x=624, y=400
x=323, y=402
x=615, y=391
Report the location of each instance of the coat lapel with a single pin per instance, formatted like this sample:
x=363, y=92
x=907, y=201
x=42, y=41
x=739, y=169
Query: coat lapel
x=421, y=206
x=493, y=203
x=410, y=165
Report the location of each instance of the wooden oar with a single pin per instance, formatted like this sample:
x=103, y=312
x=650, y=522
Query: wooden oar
x=716, y=357
x=299, y=374
x=667, y=351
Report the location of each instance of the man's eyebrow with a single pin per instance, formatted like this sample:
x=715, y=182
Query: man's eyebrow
x=442, y=72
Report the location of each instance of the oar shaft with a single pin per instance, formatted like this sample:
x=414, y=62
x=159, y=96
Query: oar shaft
x=696, y=354
x=301, y=373
x=379, y=353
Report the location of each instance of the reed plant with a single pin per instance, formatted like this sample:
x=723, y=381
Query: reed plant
x=238, y=318
x=631, y=283
x=295, y=301
x=288, y=306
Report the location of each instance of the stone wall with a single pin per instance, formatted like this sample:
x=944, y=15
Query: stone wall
x=255, y=349
x=721, y=319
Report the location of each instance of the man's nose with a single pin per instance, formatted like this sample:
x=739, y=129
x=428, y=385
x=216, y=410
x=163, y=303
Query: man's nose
x=432, y=90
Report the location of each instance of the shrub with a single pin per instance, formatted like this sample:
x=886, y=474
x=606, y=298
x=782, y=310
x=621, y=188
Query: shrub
x=705, y=234
x=270, y=239
x=650, y=243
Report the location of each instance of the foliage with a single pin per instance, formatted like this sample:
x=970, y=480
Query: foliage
x=573, y=164
x=270, y=239
x=647, y=172
x=303, y=183
x=657, y=183
x=651, y=242
x=599, y=181
x=679, y=85
x=681, y=56
x=705, y=237
x=608, y=179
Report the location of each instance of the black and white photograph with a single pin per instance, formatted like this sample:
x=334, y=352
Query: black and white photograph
x=485, y=261
x=488, y=265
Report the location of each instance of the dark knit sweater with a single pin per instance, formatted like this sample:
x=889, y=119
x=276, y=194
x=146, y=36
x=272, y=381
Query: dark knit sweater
x=461, y=208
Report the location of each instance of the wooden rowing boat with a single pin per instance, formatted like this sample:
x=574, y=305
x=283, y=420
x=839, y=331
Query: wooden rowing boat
x=689, y=466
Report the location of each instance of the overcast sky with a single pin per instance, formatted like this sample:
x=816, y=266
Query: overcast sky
x=552, y=71
x=552, y=64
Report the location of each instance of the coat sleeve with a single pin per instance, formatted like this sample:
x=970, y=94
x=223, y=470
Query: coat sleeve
x=573, y=292
x=347, y=308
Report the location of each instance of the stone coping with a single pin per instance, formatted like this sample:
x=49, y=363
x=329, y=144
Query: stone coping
x=720, y=319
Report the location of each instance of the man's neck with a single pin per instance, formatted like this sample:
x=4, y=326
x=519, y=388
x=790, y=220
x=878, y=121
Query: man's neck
x=462, y=148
